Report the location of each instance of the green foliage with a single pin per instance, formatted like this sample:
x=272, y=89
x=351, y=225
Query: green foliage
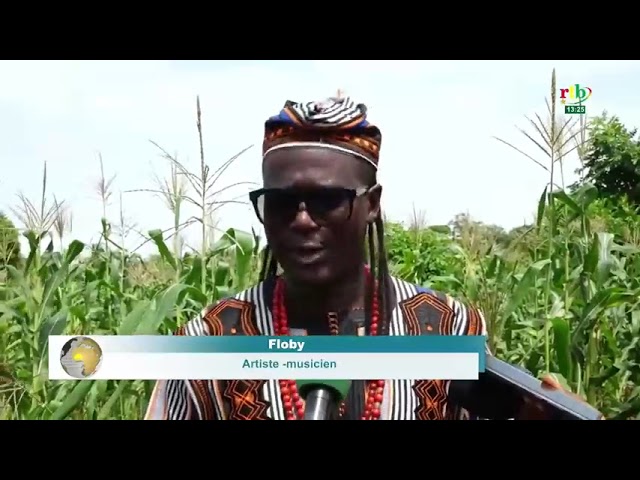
x=612, y=159
x=104, y=293
x=419, y=255
x=9, y=244
x=560, y=295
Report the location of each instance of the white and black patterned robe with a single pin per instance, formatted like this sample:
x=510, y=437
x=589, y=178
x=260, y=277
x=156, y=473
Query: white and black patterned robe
x=416, y=311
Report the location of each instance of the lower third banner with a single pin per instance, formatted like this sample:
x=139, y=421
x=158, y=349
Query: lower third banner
x=137, y=357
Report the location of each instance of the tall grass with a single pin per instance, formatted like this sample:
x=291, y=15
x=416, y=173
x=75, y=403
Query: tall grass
x=559, y=296
x=110, y=291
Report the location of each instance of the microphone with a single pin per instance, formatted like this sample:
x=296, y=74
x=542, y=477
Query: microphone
x=500, y=392
x=322, y=397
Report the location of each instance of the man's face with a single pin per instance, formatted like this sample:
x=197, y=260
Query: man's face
x=313, y=223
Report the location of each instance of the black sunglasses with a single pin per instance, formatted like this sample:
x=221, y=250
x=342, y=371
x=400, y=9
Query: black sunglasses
x=324, y=204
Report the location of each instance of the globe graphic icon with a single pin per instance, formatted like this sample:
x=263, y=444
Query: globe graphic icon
x=80, y=357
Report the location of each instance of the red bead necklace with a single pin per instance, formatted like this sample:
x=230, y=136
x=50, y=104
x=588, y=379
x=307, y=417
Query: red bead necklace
x=293, y=404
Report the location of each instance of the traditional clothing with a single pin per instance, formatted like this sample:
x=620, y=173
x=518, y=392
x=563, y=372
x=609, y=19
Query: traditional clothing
x=338, y=124
x=415, y=311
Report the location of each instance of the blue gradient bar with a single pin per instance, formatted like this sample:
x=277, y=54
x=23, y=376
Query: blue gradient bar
x=265, y=344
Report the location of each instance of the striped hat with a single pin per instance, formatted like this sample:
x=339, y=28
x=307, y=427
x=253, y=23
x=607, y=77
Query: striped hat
x=336, y=123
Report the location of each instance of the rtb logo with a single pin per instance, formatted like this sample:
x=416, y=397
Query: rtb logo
x=575, y=94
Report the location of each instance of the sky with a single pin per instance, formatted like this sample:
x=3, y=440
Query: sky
x=438, y=120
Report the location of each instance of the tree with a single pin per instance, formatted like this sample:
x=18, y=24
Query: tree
x=476, y=237
x=612, y=159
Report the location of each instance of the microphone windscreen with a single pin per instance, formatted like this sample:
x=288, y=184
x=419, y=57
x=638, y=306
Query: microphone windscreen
x=339, y=388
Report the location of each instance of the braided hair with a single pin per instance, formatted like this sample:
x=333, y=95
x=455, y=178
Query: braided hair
x=379, y=273
x=339, y=121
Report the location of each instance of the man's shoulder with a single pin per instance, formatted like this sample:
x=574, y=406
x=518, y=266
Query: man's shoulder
x=426, y=309
x=233, y=315
x=438, y=312
x=408, y=291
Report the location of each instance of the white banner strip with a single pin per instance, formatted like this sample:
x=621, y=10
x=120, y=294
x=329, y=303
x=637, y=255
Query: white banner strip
x=267, y=366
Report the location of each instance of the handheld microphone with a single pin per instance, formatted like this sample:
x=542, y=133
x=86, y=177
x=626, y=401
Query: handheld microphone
x=500, y=392
x=322, y=397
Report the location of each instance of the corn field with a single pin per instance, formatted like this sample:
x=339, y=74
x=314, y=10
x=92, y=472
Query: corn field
x=560, y=295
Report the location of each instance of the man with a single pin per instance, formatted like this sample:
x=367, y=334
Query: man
x=320, y=207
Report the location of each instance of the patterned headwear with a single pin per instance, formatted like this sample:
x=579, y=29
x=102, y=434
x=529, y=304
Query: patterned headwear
x=336, y=123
